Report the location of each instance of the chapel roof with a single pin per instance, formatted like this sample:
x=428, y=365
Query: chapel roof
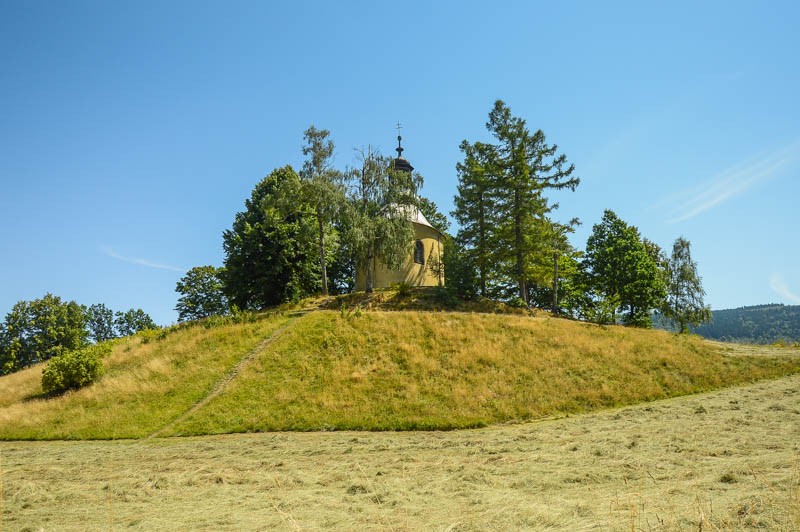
x=412, y=214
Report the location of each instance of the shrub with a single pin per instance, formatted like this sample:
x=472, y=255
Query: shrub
x=149, y=335
x=446, y=297
x=74, y=369
x=404, y=289
x=517, y=302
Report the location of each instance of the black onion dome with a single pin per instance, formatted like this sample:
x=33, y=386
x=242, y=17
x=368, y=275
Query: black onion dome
x=403, y=165
x=400, y=163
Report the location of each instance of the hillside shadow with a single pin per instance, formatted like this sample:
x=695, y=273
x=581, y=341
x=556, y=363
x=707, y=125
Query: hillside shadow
x=422, y=298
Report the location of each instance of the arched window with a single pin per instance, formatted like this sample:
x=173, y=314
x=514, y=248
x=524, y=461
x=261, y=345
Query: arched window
x=419, y=252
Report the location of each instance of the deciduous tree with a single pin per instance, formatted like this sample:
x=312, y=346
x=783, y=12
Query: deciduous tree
x=38, y=330
x=133, y=321
x=201, y=294
x=270, y=251
x=621, y=269
x=322, y=186
x=684, y=302
x=100, y=323
x=381, y=198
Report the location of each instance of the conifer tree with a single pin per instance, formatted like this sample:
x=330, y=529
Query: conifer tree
x=502, y=208
x=524, y=166
x=476, y=210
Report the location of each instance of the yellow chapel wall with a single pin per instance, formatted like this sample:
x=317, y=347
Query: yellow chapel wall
x=411, y=273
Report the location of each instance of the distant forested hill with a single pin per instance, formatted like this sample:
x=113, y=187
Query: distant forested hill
x=759, y=324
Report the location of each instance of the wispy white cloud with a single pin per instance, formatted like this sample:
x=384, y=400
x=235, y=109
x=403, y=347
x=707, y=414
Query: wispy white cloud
x=732, y=182
x=779, y=286
x=141, y=262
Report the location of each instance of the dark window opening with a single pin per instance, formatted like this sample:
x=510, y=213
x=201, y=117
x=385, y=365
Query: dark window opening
x=419, y=252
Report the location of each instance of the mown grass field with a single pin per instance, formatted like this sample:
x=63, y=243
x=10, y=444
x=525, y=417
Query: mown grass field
x=728, y=459
x=408, y=370
x=584, y=428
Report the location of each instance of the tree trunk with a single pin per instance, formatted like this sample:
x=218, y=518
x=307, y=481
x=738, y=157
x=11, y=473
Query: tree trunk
x=322, y=265
x=518, y=241
x=555, y=282
x=482, y=252
x=368, y=278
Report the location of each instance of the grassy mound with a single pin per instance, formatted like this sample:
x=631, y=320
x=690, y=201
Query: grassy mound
x=147, y=382
x=372, y=370
x=421, y=370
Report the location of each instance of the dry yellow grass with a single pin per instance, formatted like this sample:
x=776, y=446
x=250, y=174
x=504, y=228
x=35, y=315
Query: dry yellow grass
x=717, y=461
x=18, y=386
x=406, y=370
x=146, y=384
x=440, y=370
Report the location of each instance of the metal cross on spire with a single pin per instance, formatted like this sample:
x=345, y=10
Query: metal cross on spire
x=399, y=148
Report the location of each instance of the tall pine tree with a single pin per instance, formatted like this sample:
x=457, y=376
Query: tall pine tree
x=501, y=203
x=524, y=167
x=475, y=210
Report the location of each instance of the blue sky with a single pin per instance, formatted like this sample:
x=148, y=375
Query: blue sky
x=132, y=132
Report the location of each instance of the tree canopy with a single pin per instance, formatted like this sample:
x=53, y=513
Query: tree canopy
x=379, y=198
x=133, y=321
x=621, y=269
x=270, y=252
x=476, y=212
x=100, y=323
x=201, y=294
x=323, y=189
x=37, y=330
x=502, y=207
x=684, y=302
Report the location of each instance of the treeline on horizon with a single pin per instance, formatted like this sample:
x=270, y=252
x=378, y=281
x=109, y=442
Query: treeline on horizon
x=757, y=324
x=44, y=328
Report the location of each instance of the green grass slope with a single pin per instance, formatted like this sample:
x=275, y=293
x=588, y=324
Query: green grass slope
x=147, y=383
x=420, y=370
x=377, y=371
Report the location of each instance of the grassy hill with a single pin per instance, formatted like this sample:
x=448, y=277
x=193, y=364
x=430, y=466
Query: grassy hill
x=373, y=370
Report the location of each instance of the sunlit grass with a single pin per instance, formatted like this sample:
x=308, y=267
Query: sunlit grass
x=726, y=460
x=375, y=370
x=147, y=383
x=422, y=370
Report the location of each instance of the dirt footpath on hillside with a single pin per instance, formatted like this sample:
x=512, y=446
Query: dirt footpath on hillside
x=728, y=459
